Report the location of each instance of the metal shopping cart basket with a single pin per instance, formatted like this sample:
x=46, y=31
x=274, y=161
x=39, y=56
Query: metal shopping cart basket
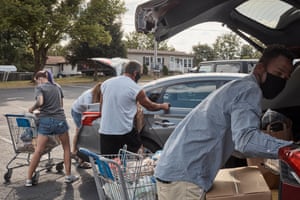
x=124, y=176
x=23, y=132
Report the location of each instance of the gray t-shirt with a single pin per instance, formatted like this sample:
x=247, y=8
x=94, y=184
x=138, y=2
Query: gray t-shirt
x=52, y=94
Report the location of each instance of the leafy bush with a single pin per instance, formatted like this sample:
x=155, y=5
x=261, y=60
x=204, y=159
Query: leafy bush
x=165, y=70
x=145, y=70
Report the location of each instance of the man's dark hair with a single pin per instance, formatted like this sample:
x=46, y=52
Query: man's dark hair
x=273, y=51
x=133, y=66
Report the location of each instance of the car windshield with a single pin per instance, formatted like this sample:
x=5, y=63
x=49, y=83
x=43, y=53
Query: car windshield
x=275, y=18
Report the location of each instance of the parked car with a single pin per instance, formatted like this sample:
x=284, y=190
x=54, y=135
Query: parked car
x=260, y=23
x=104, y=66
x=231, y=66
x=183, y=92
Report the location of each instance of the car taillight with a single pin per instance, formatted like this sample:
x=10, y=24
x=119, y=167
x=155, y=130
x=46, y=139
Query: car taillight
x=88, y=118
x=291, y=156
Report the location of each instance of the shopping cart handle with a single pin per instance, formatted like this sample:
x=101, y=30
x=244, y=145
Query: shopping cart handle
x=88, y=152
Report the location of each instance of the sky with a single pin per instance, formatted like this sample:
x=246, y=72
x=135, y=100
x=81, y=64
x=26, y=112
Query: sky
x=205, y=33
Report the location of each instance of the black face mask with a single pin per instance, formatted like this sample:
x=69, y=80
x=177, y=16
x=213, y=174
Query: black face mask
x=137, y=77
x=272, y=86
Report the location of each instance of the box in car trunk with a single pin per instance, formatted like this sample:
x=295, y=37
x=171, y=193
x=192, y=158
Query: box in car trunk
x=243, y=183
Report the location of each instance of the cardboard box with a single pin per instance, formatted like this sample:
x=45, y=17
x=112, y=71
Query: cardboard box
x=270, y=177
x=243, y=183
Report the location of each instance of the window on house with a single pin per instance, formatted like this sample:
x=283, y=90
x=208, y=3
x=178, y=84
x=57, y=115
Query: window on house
x=146, y=60
x=190, y=63
x=185, y=62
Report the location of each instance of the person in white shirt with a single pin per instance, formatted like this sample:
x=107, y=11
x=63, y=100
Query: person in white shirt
x=119, y=99
x=79, y=106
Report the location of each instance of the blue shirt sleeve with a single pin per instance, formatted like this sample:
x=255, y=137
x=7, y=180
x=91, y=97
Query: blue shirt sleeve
x=245, y=126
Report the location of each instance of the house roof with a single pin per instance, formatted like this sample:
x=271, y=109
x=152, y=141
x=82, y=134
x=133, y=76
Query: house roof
x=53, y=60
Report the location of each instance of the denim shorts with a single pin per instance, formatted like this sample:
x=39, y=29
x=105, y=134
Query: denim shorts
x=76, y=118
x=52, y=126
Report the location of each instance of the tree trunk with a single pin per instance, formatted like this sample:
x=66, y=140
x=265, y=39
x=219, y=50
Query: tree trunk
x=40, y=58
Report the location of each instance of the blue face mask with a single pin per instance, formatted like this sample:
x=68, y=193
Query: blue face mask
x=272, y=86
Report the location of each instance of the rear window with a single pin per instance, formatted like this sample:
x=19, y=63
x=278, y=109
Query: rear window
x=206, y=68
x=228, y=67
x=275, y=18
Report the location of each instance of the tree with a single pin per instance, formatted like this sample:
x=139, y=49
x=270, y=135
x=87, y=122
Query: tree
x=82, y=51
x=227, y=46
x=14, y=51
x=135, y=40
x=202, y=52
x=57, y=50
x=248, y=51
x=44, y=22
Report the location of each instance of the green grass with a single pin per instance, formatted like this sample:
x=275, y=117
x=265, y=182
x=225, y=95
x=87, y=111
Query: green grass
x=61, y=81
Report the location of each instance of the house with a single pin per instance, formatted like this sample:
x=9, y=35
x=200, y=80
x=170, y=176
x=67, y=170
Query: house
x=60, y=67
x=175, y=61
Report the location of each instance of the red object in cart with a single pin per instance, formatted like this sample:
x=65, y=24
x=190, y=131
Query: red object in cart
x=89, y=117
x=289, y=173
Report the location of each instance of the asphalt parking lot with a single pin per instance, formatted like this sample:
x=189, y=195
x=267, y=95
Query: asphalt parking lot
x=51, y=184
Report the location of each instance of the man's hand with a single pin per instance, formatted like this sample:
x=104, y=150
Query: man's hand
x=165, y=106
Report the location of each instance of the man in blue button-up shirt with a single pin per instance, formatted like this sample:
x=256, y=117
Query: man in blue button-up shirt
x=227, y=120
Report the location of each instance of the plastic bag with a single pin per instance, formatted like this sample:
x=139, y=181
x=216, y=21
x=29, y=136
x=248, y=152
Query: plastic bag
x=274, y=118
x=27, y=135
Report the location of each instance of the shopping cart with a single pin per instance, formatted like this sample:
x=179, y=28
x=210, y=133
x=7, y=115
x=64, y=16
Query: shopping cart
x=23, y=132
x=124, y=176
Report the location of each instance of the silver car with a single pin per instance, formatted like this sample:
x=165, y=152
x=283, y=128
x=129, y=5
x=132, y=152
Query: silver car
x=183, y=92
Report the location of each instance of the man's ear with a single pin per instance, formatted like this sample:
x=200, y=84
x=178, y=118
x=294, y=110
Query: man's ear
x=260, y=72
x=260, y=67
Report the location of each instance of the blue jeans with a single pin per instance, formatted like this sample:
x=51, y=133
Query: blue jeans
x=76, y=118
x=51, y=126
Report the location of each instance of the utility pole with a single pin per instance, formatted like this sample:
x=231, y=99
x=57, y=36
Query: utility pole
x=156, y=67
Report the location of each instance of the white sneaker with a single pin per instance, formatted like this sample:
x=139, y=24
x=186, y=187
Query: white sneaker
x=71, y=178
x=28, y=183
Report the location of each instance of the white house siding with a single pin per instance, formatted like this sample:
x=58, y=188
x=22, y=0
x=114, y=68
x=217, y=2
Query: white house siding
x=58, y=64
x=173, y=60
